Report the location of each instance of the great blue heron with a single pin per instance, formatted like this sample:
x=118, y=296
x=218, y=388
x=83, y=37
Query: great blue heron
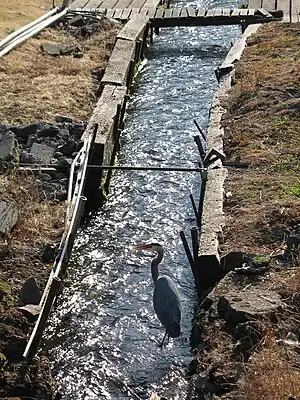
x=166, y=300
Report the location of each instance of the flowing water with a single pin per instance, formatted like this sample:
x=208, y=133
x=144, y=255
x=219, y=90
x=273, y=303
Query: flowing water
x=103, y=336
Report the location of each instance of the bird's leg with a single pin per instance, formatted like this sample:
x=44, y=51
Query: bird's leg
x=161, y=345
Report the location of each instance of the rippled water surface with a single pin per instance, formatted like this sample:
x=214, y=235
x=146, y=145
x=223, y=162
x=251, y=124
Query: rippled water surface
x=103, y=336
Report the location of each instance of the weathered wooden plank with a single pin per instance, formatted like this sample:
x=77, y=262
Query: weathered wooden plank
x=151, y=13
x=168, y=13
x=110, y=12
x=137, y=4
x=191, y=12
x=218, y=12
x=244, y=11
x=134, y=11
x=201, y=12
x=118, y=66
x=151, y=4
x=235, y=12
x=268, y=5
x=210, y=12
x=92, y=4
x=159, y=13
x=8, y=217
x=109, y=4
x=183, y=13
x=251, y=11
x=134, y=29
x=126, y=14
x=255, y=4
x=118, y=13
x=226, y=12
x=284, y=5
x=295, y=10
x=176, y=12
x=123, y=3
x=78, y=4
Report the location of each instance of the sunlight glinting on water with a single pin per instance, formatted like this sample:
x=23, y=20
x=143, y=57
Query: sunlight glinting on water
x=103, y=336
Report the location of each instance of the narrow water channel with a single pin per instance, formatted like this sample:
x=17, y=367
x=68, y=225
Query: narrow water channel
x=103, y=336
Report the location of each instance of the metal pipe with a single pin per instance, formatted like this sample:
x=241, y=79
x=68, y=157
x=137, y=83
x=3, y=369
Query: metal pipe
x=10, y=37
x=31, y=32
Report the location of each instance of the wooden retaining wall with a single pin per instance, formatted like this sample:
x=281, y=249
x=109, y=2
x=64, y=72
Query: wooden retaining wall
x=207, y=268
x=109, y=111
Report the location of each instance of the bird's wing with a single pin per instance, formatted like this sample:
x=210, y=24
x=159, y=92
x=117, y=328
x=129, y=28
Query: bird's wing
x=167, y=306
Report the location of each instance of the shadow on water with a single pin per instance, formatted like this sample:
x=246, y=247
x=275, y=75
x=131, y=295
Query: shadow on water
x=103, y=336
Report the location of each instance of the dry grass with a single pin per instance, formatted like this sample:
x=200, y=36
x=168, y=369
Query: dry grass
x=17, y=13
x=270, y=374
x=36, y=86
x=262, y=127
x=40, y=222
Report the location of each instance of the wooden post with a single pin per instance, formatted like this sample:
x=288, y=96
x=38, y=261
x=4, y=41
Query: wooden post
x=195, y=243
x=39, y=327
x=116, y=134
x=151, y=34
x=187, y=251
x=130, y=73
x=195, y=209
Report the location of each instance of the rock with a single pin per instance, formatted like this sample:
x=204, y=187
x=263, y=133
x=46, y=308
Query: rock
x=239, y=307
x=69, y=48
x=30, y=292
x=62, y=119
x=97, y=73
x=28, y=158
x=31, y=139
x=68, y=148
x=76, y=130
x=9, y=150
x=232, y=260
x=8, y=217
x=64, y=134
x=64, y=164
x=3, y=128
x=31, y=311
x=14, y=349
x=23, y=131
x=254, y=265
x=49, y=253
x=48, y=130
x=76, y=21
x=42, y=152
x=51, y=49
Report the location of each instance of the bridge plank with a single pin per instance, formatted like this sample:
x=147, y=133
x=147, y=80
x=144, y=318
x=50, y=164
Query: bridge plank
x=78, y=4
x=110, y=12
x=92, y=4
x=176, y=12
x=284, y=5
x=218, y=12
x=123, y=3
x=251, y=11
x=255, y=4
x=191, y=12
x=151, y=13
x=116, y=71
x=159, y=14
x=109, y=4
x=236, y=12
x=168, y=13
x=244, y=11
x=137, y=4
x=134, y=29
x=118, y=13
x=201, y=12
x=210, y=12
x=134, y=11
x=295, y=11
x=226, y=12
x=183, y=13
x=268, y=5
x=125, y=14
x=151, y=4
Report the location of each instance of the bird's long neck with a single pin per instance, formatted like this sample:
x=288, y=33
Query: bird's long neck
x=155, y=262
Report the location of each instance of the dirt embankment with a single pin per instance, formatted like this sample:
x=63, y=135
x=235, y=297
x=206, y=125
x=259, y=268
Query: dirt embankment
x=48, y=89
x=246, y=332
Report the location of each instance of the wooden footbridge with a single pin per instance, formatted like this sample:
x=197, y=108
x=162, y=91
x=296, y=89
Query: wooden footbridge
x=258, y=11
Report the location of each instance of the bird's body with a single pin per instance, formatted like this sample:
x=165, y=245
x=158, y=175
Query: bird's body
x=167, y=306
x=166, y=300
